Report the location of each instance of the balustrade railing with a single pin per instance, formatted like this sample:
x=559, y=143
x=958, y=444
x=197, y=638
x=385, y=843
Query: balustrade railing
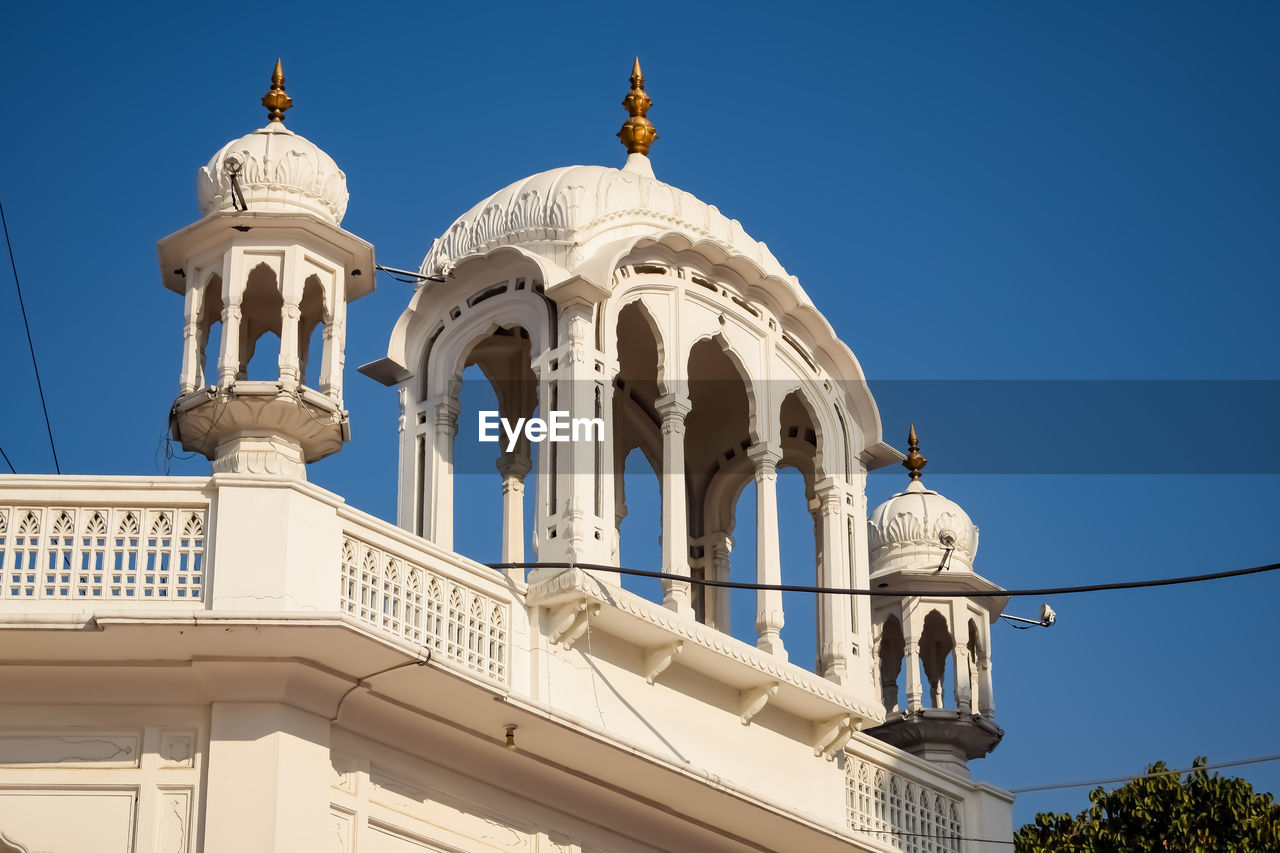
x=453, y=620
x=122, y=553
x=899, y=813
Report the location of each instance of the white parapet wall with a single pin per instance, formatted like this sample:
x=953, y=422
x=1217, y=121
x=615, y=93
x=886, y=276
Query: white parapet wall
x=229, y=661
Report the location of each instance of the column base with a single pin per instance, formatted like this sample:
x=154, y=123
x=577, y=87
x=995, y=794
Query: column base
x=267, y=454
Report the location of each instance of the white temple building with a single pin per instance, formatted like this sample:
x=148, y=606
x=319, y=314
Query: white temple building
x=243, y=662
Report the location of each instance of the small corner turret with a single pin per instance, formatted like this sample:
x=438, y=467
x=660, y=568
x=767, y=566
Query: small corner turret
x=924, y=545
x=267, y=271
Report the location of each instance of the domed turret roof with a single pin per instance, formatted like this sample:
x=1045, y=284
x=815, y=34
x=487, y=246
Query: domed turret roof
x=919, y=528
x=276, y=169
x=561, y=212
x=564, y=214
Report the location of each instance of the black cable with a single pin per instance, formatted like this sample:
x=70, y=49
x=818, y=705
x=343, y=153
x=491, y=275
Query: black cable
x=415, y=662
x=898, y=593
x=941, y=836
x=6, y=460
x=21, y=304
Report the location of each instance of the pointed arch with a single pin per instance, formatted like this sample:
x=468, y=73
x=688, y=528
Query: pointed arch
x=314, y=316
x=262, y=313
x=209, y=321
x=935, y=647
x=892, y=648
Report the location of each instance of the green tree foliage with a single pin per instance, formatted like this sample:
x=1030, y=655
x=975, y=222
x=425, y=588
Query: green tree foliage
x=1196, y=813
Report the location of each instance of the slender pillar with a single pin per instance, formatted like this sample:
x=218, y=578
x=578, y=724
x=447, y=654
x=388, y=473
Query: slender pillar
x=963, y=698
x=769, y=618
x=513, y=467
x=674, y=408
x=446, y=427
x=835, y=643
x=191, y=378
x=334, y=356
x=288, y=361
x=987, y=703
x=719, y=547
x=911, y=663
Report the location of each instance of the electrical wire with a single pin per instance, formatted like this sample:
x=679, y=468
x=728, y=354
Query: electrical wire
x=1096, y=782
x=34, y=365
x=939, y=836
x=898, y=593
x=7, y=462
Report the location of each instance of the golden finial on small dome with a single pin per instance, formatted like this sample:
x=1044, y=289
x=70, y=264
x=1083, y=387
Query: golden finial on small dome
x=276, y=101
x=637, y=132
x=914, y=462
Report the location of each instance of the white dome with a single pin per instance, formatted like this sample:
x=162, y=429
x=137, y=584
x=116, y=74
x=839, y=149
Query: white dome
x=907, y=532
x=559, y=214
x=280, y=172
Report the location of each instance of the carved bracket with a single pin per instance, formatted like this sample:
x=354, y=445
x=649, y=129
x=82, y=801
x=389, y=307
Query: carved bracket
x=568, y=622
x=753, y=700
x=831, y=735
x=657, y=660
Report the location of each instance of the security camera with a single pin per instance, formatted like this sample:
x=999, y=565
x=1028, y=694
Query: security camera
x=947, y=538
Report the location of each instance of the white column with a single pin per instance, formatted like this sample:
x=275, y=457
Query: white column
x=911, y=656
x=191, y=379
x=268, y=779
x=962, y=691
x=987, y=702
x=836, y=641
x=853, y=533
x=446, y=427
x=911, y=663
x=232, y=294
x=288, y=361
x=674, y=408
x=334, y=355
x=719, y=547
x=573, y=379
x=769, y=618
x=513, y=467
x=290, y=283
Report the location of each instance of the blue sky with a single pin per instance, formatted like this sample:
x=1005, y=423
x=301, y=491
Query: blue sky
x=995, y=191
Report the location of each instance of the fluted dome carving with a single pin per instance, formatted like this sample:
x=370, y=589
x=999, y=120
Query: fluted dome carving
x=560, y=213
x=908, y=532
x=278, y=172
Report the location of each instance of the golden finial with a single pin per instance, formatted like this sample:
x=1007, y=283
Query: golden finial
x=914, y=462
x=637, y=132
x=276, y=101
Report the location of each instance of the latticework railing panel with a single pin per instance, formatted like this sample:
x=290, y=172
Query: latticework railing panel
x=102, y=553
x=900, y=813
x=453, y=620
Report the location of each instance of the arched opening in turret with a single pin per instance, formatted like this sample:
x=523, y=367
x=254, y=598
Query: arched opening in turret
x=489, y=476
x=979, y=698
x=798, y=529
x=209, y=329
x=637, y=449
x=935, y=646
x=719, y=483
x=638, y=507
x=892, y=648
x=261, y=315
x=312, y=319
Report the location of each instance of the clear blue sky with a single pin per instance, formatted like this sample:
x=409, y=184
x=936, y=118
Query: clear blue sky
x=980, y=191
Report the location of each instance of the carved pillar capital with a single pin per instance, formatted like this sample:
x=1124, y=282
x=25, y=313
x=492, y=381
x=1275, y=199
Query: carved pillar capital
x=513, y=467
x=765, y=458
